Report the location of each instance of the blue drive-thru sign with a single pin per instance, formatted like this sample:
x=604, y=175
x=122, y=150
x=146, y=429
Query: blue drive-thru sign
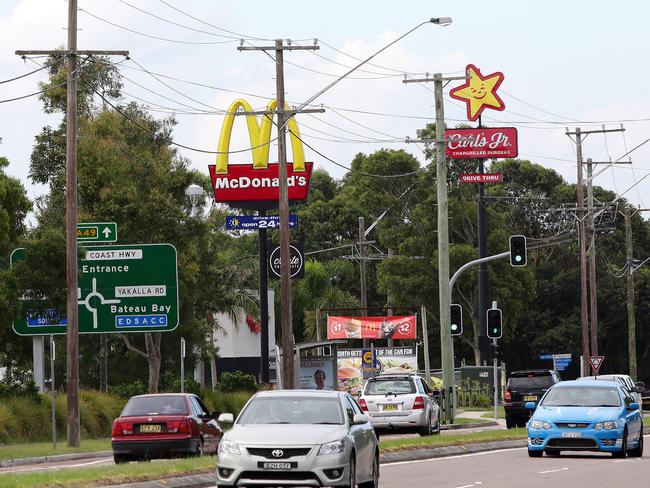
x=545, y=356
x=253, y=222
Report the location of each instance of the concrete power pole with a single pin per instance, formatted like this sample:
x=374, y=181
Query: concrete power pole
x=286, y=319
x=72, y=343
x=363, y=272
x=593, y=296
x=631, y=317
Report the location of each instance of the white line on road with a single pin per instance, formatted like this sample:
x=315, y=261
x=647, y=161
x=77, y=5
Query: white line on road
x=472, y=485
x=553, y=471
x=457, y=456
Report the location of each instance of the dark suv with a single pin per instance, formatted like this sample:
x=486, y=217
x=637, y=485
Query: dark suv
x=526, y=386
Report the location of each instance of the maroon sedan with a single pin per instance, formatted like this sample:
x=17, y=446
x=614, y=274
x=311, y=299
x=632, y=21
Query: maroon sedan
x=164, y=425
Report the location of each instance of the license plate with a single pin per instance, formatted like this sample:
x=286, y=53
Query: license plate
x=572, y=435
x=530, y=398
x=388, y=408
x=150, y=428
x=279, y=465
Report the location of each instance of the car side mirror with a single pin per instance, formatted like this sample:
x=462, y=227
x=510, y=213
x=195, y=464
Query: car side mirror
x=633, y=406
x=226, y=418
x=359, y=419
x=530, y=405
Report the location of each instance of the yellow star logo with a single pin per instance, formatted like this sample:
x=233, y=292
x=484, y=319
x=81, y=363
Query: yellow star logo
x=479, y=92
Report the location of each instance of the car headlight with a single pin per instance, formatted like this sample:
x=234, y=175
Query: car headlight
x=607, y=425
x=335, y=447
x=538, y=424
x=228, y=447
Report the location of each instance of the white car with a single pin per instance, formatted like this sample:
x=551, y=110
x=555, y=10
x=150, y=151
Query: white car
x=625, y=380
x=299, y=438
x=400, y=403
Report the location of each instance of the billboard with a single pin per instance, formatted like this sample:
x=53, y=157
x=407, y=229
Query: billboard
x=482, y=143
x=391, y=327
x=248, y=185
x=479, y=92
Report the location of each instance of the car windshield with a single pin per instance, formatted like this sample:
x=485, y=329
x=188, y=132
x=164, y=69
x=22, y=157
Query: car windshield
x=582, y=397
x=292, y=410
x=390, y=387
x=527, y=382
x=155, y=405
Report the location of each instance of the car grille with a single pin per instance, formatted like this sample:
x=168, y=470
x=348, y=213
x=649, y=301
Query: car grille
x=572, y=425
x=279, y=475
x=572, y=443
x=267, y=452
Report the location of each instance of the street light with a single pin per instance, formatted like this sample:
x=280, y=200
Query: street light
x=441, y=21
x=194, y=193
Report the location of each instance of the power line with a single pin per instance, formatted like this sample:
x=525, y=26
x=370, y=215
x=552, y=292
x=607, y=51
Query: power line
x=9, y=80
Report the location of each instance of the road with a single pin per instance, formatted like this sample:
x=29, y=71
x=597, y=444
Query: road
x=513, y=468
x=56, y=465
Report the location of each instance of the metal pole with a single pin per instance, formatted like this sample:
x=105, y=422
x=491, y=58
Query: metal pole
x=103, y=363
x=72, y=343
x=494, y=374
x=425, y=340
x=631, y=317
x=584, y=318
x=264, y=304
x=483, y=275
x=593, y=295
x=182, y=365
x=38, y=356
x=285, y=277
x=363, y=272
x=446, y=344
x=53, y=389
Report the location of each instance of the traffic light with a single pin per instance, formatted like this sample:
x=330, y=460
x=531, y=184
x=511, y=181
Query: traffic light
x=518, y=251
x=494, y=324
x=456, y=319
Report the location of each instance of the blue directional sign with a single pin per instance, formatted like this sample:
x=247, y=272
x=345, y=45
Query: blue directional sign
x=253, y=222
x=545, y=356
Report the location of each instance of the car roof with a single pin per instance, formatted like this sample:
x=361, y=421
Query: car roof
x=393, y=376
x=607, y=377
x=525, y=372
x=587, y=382
x=298, y=392
x=161, y=395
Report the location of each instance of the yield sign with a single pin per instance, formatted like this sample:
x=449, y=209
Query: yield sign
x=596, y=362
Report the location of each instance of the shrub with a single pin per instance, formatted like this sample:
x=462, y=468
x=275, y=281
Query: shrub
x=237, y=381
x=171, y=383
x=225, y=402
x=127, y=390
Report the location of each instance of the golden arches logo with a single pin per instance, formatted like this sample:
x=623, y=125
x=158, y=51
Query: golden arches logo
x=259, y=136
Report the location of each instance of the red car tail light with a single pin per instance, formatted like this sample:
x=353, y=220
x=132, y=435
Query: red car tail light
x=363, y=405
x=184, y=427
x=508, y=397
x=418, y=404
x=122, y=428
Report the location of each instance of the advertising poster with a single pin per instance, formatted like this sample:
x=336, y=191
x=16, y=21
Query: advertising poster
x=392, y=327
x=317, y=373
x=387, y=360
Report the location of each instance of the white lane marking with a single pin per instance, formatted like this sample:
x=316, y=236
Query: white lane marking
x=472, y=485
x=553, y=471
x=457, y=456
x=28, y=469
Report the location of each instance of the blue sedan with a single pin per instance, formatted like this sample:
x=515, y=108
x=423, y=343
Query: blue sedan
x=586, y=415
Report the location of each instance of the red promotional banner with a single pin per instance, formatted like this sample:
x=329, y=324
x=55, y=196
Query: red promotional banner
x=395, y=327
x=481, y=177
x=243, y=183
x=498, y=142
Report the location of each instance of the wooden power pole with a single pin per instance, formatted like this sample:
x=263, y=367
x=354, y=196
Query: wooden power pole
x=72, y=310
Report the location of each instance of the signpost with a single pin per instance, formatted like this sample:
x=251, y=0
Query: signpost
x=99, y=232
x=481, y=177
x=256, y=222
x=296, y=261
x=131, y=288
x=596, y=362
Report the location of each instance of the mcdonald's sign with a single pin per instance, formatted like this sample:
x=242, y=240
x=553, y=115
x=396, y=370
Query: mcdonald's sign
x=256, y=185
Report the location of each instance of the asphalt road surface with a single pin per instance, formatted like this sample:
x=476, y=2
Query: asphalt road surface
x=57, y=465
x=513, y=468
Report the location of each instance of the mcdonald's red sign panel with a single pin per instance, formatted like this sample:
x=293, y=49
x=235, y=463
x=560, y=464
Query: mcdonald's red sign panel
x=257, y=185
x=391, y=327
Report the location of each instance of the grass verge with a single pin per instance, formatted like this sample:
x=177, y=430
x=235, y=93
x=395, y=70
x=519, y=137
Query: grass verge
x=490, y=415
x=108, y=475
x=467, y=420
x=451, y=440
x=36, y=449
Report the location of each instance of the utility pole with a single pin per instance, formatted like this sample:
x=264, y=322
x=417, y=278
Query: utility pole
x=631, y=317
x=288, y=366
x=72, y=343
x=363, y=272
x=593, y=296
x=444, y=291
x=589, y=334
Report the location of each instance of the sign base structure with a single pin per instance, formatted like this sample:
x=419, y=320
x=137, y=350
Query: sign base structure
x=130, y=288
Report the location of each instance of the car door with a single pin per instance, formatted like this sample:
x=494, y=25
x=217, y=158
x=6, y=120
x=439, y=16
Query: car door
x=361, y=438
x=433, y=407
x=634, y=417
x=208, y=431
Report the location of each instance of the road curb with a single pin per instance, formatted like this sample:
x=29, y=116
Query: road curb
x=473, y=425
x=9, y=463
x=194, y=481
x=437, y=452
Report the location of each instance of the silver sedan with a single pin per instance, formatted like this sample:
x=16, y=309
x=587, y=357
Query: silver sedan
x=299, y=438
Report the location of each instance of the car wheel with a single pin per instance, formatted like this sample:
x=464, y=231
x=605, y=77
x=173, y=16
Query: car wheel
x=552, y=452
x=374, y=482
x=427, y=430
x=535, y=453
x=352, y=480
x=121, y=458
x=199, y=449
x=638, y=450
x=437, y=428
x=623, y=452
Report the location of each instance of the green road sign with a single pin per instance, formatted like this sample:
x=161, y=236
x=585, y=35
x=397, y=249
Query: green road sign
x=97, y=232
x=131, y=288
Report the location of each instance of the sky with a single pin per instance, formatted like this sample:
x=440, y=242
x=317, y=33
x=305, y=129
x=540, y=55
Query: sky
x=566, y=64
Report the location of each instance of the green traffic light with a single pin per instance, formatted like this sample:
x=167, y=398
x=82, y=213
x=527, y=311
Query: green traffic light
x=454, y=327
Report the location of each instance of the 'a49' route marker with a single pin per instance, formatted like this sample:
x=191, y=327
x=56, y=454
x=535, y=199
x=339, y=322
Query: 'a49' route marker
x=130, y=288
x=98, y=232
